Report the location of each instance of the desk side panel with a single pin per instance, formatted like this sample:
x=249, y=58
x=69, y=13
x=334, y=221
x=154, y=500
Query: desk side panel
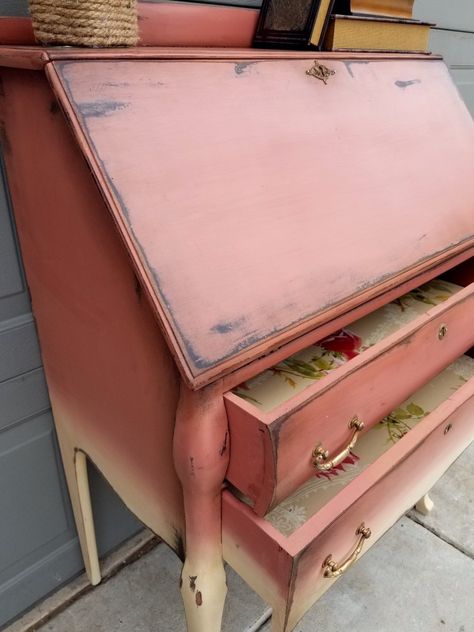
x=112, y=382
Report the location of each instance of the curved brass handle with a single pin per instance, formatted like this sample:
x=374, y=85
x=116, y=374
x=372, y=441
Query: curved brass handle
x=321, y=455
x=333, y=569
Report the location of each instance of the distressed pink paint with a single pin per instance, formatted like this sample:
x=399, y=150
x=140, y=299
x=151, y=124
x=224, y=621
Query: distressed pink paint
x=16, y=31
x=224, y=179
x=205, y=229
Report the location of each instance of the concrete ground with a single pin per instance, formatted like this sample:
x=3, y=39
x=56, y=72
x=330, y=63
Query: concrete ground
x=418, y=578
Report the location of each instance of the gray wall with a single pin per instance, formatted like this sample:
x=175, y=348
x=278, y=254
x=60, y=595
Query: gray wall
x=453, y=37
x=13, y=7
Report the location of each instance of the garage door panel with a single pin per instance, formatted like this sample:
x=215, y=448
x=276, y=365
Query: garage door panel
x=11, y=278
x=26, y=586
x=19, y=349
x=457, y=48
x=458, y=15
x=33, y=510
x=14, y=298
x=22, y=397
x=464, y=78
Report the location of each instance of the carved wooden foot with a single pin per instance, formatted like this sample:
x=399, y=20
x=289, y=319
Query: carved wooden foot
x=203, y=589
x=75, y=467
x=201, y=453
x=424, y=505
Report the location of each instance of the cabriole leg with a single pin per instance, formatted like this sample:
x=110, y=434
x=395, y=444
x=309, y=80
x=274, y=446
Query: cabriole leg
x=201, y=453
x=75, y=467
x=424, y=505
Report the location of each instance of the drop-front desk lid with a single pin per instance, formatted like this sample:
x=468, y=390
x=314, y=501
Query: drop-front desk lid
x=258, y=201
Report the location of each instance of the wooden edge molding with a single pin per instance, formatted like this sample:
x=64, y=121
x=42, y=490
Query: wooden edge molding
x=36, y=57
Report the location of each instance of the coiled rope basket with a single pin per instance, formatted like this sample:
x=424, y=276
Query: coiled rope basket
x=97, y=23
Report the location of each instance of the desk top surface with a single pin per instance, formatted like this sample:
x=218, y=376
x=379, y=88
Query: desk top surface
x=258, y=201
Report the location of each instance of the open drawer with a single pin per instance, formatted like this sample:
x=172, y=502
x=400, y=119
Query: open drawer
x=278, y=437
x=293, y=555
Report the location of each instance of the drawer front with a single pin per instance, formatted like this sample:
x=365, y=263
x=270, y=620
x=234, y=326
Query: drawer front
x=288, y=571
x=272, y=452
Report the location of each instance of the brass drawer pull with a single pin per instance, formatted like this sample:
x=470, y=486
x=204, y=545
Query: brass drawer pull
x=332, y=569
x=321, y=456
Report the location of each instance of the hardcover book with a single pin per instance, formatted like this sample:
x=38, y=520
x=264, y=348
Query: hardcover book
x=368, y=33
x=381, y=8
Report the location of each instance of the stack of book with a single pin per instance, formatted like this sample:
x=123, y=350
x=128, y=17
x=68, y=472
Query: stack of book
x=376, y=25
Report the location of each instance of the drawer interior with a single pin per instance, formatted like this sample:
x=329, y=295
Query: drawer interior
x=307, y=500
x=281, y=382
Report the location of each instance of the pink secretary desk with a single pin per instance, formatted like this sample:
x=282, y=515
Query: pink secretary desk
x=253, y=283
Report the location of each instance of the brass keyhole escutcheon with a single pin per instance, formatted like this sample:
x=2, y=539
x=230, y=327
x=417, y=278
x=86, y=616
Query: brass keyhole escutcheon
x=319, y=71
x=442, y=331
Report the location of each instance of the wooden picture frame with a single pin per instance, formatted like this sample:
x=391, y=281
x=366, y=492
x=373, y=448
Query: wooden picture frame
x=293, y=23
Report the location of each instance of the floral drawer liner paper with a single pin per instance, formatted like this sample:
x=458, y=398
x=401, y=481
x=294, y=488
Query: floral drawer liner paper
x=313, y=495
x=278, y=384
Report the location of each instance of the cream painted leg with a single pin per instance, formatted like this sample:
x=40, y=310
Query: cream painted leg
x=203, y=582
x=75, y=467
x=201, y=456
x=424, y=505
x=92, y=561
x=278, y=620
